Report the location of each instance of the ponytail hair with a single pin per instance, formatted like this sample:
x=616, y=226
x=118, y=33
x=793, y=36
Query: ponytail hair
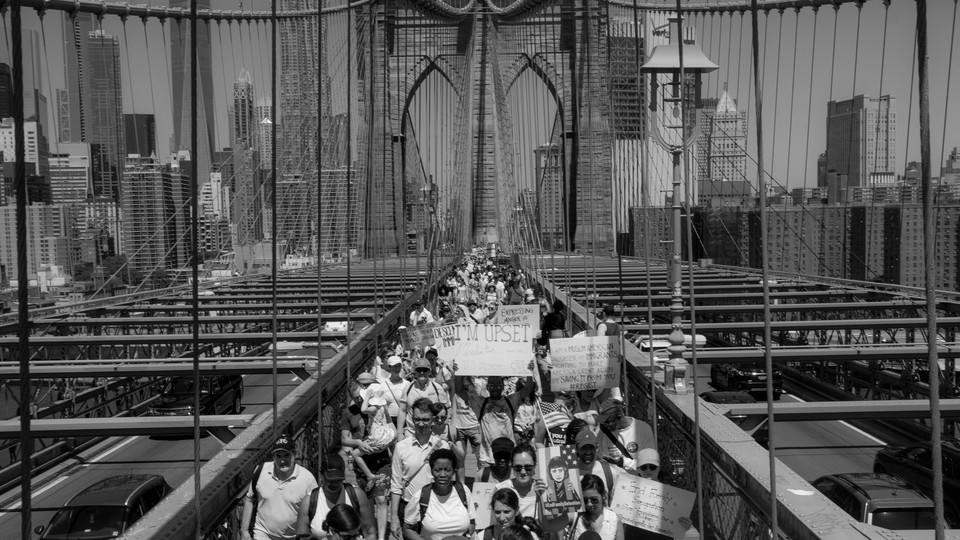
x=341, y=518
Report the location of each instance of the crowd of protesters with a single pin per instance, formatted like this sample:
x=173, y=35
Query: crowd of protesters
x=412, y=424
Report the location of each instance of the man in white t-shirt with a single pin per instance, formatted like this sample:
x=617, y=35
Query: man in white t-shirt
x=391, y=388
x=622, y=437
x=275, y=494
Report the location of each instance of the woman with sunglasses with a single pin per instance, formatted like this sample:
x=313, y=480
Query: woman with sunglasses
x=596, y=516
x=527, y=488
x=443, y=429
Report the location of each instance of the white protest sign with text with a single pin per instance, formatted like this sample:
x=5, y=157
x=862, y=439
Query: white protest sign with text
x=652, y=506
x=487, y=349
x=482, y=503
x=523, y=314
x=585, y=363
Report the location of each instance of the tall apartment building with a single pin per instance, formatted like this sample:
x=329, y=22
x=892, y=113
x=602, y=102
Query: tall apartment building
x=70, y=173
x=49, y=237
x=156, y=216
x=180, y=77
x=861, y=141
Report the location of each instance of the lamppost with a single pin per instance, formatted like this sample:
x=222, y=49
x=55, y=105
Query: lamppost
x=676, y=63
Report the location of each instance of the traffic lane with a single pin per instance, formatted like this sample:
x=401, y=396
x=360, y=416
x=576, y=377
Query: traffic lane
x=171, y=457
x=813, y=449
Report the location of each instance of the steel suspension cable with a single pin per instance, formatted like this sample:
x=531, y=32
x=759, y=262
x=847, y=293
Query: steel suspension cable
x=946, y=101
x=929, y=247
x=351, y=28
x=273, y=213
x=767, y=352
x=806, y=151
x=793, y=78
x=321, y=395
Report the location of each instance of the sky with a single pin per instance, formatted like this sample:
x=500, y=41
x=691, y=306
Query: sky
x=854, y=62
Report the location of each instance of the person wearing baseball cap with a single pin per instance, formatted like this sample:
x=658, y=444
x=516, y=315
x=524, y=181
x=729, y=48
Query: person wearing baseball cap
x=271, y=506
x=333, y=491
x=648, y=463
x=588, y=463
x=420, y=315
x=500, y=470
x=621, y=436
x=423, y=386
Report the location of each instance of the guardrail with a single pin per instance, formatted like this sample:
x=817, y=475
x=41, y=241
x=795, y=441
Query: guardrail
x=735, y=480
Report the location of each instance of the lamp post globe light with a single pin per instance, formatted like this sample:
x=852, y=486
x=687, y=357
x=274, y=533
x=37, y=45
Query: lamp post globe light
x=674, y=71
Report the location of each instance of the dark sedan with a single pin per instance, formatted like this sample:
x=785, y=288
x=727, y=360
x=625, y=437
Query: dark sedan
x=913, y=463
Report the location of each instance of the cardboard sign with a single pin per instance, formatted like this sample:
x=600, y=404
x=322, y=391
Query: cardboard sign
x=585, y=363
x=418, y=336
x=523, y=314
x=650, y=505
x=557, y=465
x=487, y=349
x=483, y=503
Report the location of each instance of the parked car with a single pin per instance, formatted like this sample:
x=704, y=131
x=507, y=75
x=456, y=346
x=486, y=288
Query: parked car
x=106, y=509
x=914, y=464
x=879, y=499
x=219, y=394
x=755, y=425
x=750, y=377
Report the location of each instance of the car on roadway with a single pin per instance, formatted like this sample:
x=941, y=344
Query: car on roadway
x=106, y=509
x=879, y=499
x=750, y=377
x=914, y=463
x=219, y=394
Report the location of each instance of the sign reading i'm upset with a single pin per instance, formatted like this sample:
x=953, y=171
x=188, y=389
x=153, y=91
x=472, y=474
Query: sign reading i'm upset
x=487, y=349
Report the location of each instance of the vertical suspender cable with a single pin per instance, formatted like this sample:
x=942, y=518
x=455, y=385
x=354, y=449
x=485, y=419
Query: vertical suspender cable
x=768, y=357
x=350, y=16
x=929, y=245
x=23, y=318
x=321, y=50
x=273, y=209
x=946, y=104
x=806, y=152
x=194, y=263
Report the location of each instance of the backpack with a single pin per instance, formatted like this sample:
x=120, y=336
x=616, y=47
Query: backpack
x=255, y=500
x=425, y=499
x=315, y=498
x=483, y=407
x=435, y=389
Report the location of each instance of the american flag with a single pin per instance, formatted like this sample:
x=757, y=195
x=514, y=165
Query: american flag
x=569, y=453
x=554, y=415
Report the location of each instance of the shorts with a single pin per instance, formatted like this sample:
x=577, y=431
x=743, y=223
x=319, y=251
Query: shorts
x=380, y=464
x=471, y=434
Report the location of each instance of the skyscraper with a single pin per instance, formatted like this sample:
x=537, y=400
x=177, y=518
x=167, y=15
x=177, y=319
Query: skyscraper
x=861, y=138
x=180, y=75
x=141, y=134
x=104, y=127
x=76, y=109
x=243, y=134
x=721, y=154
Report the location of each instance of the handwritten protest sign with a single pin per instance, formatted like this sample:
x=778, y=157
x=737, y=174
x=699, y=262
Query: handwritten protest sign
x=482, y=503
x=585, y=363
x=523, y=314
x=487, y=349
x=650, y=505
x=417, y=336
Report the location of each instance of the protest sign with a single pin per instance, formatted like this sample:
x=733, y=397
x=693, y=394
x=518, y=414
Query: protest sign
x=487, y=349
x=417, y=336
x=650, y=505
x=585, y=363
x=482, y=503
x=528, y=314
x=557, y=465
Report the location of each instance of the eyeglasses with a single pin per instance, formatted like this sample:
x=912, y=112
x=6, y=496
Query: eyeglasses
x=355, y=535
x=520, y=468
x=649, y=467
x=422, y=420
x=423, y=370
x=440, y=419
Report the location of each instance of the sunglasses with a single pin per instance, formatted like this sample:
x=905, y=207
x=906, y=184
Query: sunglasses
x=423, y=370
x=440, y=420
x=527, y=468
x=649, y=467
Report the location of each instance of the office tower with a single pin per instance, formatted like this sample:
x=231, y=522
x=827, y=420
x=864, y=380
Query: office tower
x=244, y=120
x=48, y=239
x=73, y=107
x=861, y=140
x=104, y=128
x=299, y=47
x=70, y=173
x=180, y=75
x=722, y=146
x=264, y=114
x=141, y=134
